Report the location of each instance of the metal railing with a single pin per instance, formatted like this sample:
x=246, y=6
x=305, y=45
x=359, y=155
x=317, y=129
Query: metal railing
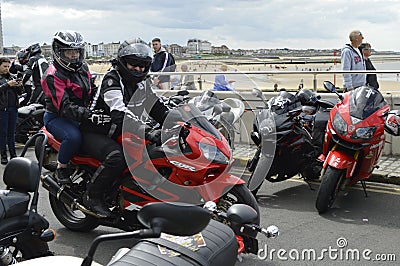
x=285, y=72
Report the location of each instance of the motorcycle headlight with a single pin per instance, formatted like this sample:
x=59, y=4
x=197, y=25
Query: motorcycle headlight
x=339, y=124
x=213, y=154
x=363, y=133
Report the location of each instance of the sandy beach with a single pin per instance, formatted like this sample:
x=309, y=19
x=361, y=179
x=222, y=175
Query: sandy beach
x=244, y=82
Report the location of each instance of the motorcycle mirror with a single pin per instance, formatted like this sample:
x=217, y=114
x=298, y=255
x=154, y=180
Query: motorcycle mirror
x=256, y=92
x=329, y=86
x=180, y=220
x=272, y=231
x=241, y=214
x=217, y=109
x=225, y=107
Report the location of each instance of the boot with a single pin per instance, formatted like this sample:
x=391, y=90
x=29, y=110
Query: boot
x=13, y=154
x=94, y=200
x=4, y=159
x=62, y=176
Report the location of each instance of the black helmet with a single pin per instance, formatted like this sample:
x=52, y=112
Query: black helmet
x=33, y=49
x=136, y=53
x=306, y=97
x=22, y=56
x=68, y=40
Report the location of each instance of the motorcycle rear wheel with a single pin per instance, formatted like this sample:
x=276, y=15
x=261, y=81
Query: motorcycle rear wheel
x=49, y=157
x=241, y=194
x=74, y=220
x=28, y=247
x=328, y=189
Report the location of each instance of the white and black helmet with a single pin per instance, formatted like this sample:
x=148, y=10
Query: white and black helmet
x=68, y=40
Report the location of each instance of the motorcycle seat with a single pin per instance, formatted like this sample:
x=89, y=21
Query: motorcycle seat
x=13, y=203
x=220, y=249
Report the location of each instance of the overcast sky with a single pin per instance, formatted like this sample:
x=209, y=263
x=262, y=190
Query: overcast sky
x=252, y=24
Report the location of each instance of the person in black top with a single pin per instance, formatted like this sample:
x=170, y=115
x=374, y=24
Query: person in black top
x=125, y=96
x=372, y=80
x=36, y=67
x=10, y=88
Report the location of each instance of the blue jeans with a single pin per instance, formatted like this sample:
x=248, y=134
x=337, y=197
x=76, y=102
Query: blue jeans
x=8, y=120
x=67, y=131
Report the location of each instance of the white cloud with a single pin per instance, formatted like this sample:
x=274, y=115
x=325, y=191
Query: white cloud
x=235, y=23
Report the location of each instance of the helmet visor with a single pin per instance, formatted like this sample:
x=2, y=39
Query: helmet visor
x=137, y=62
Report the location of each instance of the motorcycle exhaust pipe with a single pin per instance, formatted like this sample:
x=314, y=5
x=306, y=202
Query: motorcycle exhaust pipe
x=62, y=195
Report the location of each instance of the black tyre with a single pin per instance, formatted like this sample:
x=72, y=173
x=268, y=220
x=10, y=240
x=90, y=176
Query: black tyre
x=328, y=189
x=74, y=220
x=49, y=157
x=241, y=194
x=29, y=247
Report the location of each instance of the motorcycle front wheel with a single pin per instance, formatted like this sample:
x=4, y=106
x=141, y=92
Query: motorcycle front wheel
x=328, y=189
x=29, y=247
x=74, y=220
x=241, y=194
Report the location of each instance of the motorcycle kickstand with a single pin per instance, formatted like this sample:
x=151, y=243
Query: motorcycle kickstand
x=308, y=183
x=364, y=188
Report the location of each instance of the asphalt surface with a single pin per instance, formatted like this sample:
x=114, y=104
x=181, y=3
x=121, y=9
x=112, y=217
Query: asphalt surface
x=356, y=222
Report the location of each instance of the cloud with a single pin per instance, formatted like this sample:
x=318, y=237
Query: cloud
x=237, y=24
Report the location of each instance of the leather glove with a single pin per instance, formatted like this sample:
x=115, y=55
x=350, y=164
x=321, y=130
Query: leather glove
x=154, y=136
x=100, y=119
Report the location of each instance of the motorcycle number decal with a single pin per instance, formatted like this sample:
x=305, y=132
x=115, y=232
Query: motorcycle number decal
x=183, y=166
x=336, y=162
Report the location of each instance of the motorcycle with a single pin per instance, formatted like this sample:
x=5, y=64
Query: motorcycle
x=222, y=114
x=29, y=121
x=287, y=137
x=24, y=233
x=191, y=165
x=354, y=140
x=174, y=235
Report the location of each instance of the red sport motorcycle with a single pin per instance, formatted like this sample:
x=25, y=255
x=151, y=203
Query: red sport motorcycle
x=191, y=165
x=354, y=140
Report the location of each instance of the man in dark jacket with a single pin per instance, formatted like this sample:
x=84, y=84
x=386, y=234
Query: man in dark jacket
x=163, y=61
x=9, y=91
x=372, y=79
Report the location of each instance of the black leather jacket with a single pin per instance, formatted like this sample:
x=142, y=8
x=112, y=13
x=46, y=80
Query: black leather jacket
x=115, y=98
x=8, y=94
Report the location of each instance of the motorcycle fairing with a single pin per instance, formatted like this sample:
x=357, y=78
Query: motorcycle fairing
x=341, y=160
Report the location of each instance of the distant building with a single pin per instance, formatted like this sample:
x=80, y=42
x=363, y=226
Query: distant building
x=223, y=49
x=196, y=46
x=176, y=49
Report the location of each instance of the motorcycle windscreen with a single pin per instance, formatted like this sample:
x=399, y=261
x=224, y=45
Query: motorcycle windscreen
x=206, y=101
x=267, y=129
x=191, y=114
x=364, y=101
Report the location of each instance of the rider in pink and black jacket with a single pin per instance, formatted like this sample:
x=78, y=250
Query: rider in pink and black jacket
x=67, y=88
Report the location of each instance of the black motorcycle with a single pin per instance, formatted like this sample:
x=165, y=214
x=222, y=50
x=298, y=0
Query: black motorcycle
x=29, y=121
x=24, y=233
x=288, y=133
x=170, y=236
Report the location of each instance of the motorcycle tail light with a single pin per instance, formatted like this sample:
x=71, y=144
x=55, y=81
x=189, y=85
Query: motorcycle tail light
x=364, y=133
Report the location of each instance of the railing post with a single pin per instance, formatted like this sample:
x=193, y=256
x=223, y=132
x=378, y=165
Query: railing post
x=315, y=82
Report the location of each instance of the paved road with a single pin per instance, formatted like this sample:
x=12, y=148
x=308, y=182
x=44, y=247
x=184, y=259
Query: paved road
x=363, y=223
